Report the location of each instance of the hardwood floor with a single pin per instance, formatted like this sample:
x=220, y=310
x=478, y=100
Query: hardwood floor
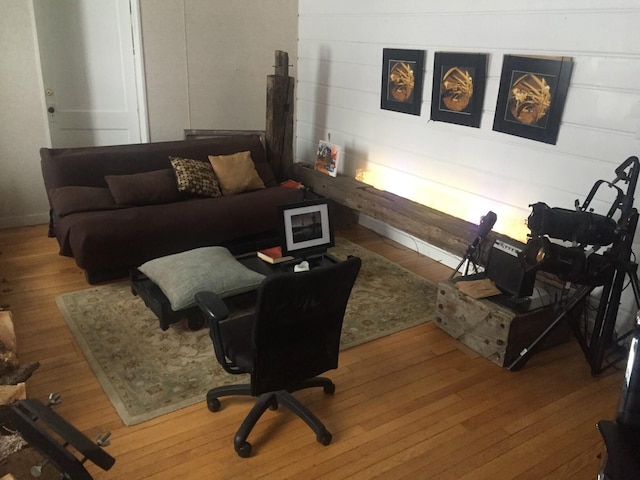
x=415, y=404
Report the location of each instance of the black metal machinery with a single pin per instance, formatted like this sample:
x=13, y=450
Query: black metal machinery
x=583, y=266
x=64, y=447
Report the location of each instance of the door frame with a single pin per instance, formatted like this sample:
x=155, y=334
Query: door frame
x=138, y=60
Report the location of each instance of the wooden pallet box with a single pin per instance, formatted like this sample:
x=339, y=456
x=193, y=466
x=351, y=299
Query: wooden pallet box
x=493, y=330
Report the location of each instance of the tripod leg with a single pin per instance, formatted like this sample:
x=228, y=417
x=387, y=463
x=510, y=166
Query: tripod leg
x=453, y=274
x=603, y=329
x=468, y=257
x=519, y=362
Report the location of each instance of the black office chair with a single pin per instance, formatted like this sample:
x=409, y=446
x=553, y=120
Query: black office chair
x=292, y=336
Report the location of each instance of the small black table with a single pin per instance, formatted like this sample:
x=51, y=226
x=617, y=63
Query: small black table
x=159, y=304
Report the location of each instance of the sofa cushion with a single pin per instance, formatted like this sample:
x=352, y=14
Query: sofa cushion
x=146, y=188
x=67, y=200
x=195, y=177
x=236, y=173
x=182, y=275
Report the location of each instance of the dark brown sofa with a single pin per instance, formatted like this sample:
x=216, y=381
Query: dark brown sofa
x=107, y=238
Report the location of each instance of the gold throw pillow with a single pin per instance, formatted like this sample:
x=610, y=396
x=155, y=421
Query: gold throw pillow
x=236, y=173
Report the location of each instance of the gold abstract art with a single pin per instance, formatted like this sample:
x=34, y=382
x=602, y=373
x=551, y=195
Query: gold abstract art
x=456, y=89
x=401, y=81
x=530, y=99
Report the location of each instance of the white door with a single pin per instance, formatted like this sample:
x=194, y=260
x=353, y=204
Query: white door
x=89, y=72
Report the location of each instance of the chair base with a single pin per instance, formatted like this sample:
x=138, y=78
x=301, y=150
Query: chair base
x=272, y=400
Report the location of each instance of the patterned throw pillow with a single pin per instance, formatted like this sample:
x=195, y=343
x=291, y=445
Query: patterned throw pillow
x=195, y=177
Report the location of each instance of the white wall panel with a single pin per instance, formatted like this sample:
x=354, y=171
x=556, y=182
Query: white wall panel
x=207, y=61
x=521, y=31
x=230, y=52
x=339, y=72
x=23, y=130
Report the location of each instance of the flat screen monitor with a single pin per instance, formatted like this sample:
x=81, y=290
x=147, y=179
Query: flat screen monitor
x=306, y=228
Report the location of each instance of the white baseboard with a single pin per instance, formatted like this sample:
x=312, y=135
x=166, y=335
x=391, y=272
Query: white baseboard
x=24, y=221
x=409, y=241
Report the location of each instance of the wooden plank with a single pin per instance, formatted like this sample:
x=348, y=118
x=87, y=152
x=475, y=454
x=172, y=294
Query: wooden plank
x=194, y=134
x=436, y=228
x=279, y=118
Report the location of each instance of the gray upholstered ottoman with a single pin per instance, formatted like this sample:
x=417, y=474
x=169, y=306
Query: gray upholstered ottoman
x=168, y=284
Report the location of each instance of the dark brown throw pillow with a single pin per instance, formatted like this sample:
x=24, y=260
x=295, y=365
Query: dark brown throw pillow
x=146, y=188
x=67, y=200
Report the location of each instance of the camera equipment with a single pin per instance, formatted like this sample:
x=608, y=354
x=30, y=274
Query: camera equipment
x=583, y=265
x=486, y=224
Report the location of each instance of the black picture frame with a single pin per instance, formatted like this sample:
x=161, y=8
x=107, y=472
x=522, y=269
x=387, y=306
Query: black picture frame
x=402, y=80
x=459, y=81
x=306, y=228
x=532, y=95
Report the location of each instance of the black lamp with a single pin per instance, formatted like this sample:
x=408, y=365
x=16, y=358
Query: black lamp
x=566, y=262
x=570, y=264
x=586, y=228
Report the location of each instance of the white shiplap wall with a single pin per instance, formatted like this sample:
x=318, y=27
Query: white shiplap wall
x=461, y=170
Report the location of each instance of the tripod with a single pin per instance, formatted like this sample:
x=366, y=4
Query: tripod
x=612, y=269
x=486, y=224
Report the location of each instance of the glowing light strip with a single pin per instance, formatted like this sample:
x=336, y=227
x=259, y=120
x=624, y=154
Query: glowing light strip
x=444, y=199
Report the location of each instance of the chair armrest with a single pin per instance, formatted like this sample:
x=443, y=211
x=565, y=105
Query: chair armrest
x=214, y=308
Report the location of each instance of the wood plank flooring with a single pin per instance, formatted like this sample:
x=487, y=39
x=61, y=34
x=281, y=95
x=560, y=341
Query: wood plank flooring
x=412, y=405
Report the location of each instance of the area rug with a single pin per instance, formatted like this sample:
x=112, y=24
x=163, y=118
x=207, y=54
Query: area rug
x=146, y=372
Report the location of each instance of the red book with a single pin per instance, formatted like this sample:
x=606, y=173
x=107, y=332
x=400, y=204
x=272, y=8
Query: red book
x=273, y=255
x=291, y=184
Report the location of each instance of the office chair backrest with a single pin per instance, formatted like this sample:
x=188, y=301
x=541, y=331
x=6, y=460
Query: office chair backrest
x=298, y=324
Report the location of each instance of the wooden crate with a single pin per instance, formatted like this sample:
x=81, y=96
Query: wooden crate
x=494, y=331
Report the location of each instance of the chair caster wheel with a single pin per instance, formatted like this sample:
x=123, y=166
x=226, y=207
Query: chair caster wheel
x=213, y=404
x=244, y=450
x=324, y=437
x=330, y=389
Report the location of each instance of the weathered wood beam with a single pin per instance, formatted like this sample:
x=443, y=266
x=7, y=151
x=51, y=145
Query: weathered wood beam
x=279, y=118
x=439, y=229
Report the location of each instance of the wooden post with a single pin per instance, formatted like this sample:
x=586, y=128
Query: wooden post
x=279, y=121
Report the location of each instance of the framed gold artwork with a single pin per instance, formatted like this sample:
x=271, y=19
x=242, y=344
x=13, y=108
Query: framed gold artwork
x=532, y=95
x=402, y=80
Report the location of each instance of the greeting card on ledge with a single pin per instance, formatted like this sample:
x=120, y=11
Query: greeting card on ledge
x=328, y=158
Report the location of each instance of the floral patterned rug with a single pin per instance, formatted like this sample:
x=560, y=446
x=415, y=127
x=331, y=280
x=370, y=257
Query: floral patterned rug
x=146, y=372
